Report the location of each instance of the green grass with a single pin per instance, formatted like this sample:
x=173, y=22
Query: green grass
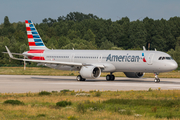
x=63, y=103
x=44, y=93
x=13, y=102
x=154, y=104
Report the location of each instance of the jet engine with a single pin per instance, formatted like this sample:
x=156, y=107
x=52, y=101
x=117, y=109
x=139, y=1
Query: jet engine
x=90, y=72
x=134, y=74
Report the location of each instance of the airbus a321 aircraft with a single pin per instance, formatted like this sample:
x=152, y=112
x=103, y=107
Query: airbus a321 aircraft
x=90, y=63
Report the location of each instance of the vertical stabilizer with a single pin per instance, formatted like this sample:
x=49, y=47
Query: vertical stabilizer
x=34, y=39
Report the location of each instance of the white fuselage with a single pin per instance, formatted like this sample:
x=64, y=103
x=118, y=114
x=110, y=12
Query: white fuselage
x=113, y=60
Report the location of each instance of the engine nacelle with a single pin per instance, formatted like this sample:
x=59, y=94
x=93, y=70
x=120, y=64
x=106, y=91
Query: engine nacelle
x=90, y=72
x=134, y=74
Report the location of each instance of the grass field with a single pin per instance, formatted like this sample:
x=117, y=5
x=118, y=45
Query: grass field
x=53, y=72
x=93, y=105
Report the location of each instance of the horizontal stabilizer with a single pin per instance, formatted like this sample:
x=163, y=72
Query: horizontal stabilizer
x=17, y=54
x=10, y=54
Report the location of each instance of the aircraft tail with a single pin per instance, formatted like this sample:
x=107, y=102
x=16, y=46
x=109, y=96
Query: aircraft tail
x=34, y=39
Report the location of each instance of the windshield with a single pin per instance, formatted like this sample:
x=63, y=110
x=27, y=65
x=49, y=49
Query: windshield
x=165, y=58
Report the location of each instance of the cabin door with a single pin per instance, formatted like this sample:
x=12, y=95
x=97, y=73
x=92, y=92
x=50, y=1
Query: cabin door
x=99, y=58
x=150, y=59
x=72, y=57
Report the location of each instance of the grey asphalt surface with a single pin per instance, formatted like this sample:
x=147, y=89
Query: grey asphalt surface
x=32, y=83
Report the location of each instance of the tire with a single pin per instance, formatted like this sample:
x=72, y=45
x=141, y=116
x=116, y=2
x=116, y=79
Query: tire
x=112, y=77
x=108, y=77
x=156, y=80
x=79, y=78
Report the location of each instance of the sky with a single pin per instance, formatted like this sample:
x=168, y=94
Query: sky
x=37, y=10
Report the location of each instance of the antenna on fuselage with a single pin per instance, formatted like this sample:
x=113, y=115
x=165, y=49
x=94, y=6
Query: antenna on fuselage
x=155, y=49
x=144, y=48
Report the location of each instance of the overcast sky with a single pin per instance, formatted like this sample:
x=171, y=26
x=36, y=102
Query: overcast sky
x=37, y=10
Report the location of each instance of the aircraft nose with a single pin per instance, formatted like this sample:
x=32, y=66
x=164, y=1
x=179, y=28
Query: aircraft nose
x=173, y=65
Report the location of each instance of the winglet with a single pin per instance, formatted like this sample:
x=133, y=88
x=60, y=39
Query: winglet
x=10, y=55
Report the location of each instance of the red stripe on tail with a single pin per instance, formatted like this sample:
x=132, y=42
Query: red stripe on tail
x=26, y=21
x=32, y=44
x=28, y=28
x=29, y=36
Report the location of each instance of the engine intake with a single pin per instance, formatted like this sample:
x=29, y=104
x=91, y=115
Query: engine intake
x=134, y=74
x=90, y=72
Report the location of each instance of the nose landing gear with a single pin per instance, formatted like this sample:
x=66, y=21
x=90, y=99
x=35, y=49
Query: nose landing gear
x=156, y=80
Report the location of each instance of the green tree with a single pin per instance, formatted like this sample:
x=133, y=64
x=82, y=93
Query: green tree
x=177, y=51
x=6, y=22
x=73, y=34
x=63, y=41
x=106, y=45
x=78, y=43
x=89, y=36
x=137, y=34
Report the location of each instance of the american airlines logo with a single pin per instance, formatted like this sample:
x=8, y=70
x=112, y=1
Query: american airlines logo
x=123, y=58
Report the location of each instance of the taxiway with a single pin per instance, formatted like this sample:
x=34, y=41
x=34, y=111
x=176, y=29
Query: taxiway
x=32, y=83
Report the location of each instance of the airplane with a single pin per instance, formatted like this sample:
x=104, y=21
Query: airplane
x=90, y=63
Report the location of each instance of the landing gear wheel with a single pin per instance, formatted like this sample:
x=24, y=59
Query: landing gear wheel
x=110, y=77
x=156, y=80
x=79, y=78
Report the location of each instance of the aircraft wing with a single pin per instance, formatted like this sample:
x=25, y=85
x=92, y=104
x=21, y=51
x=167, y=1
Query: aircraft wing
x=52, y=62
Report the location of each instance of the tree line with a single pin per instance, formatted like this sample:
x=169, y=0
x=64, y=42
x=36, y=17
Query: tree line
x=87, y=31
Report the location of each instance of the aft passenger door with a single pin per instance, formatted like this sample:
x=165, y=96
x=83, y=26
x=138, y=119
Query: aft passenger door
x=72, y=57
x=100, y=58
x=150, y=59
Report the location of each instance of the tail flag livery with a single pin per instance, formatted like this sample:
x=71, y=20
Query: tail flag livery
x=144, y=60
x=35, y=42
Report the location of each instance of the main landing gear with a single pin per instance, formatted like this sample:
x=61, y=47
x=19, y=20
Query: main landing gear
x=110, y=77
x=156, y=80
x=79, y=78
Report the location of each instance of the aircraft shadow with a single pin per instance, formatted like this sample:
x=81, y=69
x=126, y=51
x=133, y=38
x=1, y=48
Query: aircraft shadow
x=52, y=79
x=135, y=81
x=125, y=80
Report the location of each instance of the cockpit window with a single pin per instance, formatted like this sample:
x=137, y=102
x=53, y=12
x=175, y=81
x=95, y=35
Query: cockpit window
x=168, y=58
x=165, y=58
